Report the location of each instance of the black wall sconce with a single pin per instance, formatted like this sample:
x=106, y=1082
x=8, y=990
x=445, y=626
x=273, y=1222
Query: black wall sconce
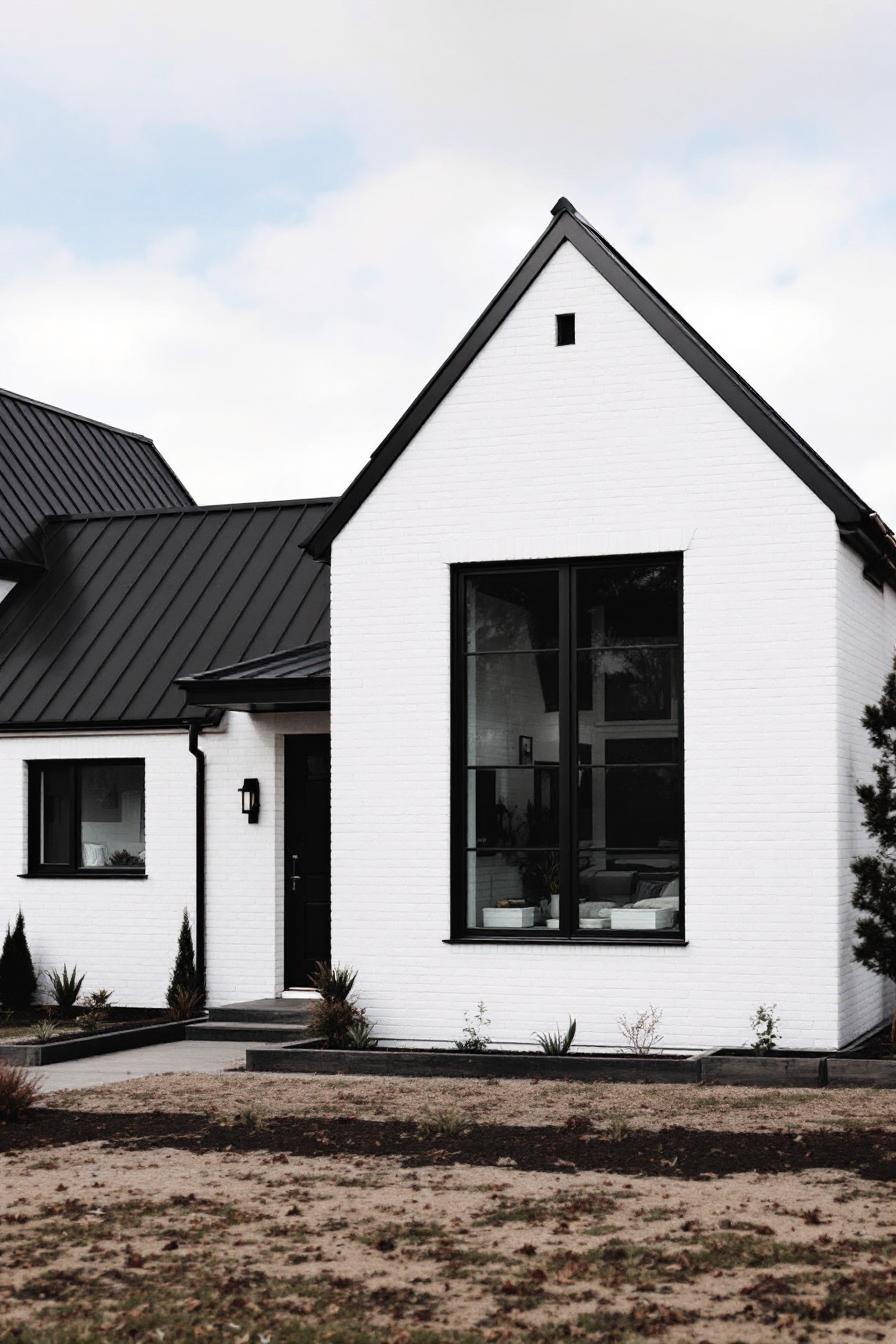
x=251, y=795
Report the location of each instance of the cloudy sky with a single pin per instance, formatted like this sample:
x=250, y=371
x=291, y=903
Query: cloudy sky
x=253, y=230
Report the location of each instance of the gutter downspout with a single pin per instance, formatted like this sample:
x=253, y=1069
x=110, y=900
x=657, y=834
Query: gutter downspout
x=195, y=728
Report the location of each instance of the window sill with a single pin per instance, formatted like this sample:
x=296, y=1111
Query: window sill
x=90, y=877
x=547, y=941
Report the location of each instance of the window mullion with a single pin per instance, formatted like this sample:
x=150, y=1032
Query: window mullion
x=566, y=717
x=75, y=794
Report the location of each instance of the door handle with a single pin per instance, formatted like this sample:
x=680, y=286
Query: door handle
x=294, y=877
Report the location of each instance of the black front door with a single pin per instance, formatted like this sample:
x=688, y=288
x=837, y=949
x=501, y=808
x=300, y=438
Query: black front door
x=307, y=867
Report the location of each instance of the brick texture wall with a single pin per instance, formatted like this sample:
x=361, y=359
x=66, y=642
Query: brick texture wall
x=610, y=446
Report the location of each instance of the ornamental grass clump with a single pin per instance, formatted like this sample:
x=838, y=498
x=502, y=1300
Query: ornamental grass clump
x=17, y=979
x=65, y=986
x=336, y=1016
x=18, y=1092
x=555, y=1042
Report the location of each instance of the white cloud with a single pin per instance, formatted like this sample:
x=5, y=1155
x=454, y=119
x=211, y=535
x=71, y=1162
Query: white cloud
x=733, y=153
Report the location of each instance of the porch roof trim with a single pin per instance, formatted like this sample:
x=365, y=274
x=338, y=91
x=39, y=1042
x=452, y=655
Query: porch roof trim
x=290, y=679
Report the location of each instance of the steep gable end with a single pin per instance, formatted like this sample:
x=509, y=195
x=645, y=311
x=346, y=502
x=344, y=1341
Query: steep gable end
x=859, y=525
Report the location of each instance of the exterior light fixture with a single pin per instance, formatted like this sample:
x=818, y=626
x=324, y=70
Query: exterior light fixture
x=251, y=796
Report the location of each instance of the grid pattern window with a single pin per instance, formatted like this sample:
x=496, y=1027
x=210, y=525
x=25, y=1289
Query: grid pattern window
x=568, y=811
x=86, y=818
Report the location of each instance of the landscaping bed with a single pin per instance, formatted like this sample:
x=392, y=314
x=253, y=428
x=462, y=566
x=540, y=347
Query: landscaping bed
x=123, y=1034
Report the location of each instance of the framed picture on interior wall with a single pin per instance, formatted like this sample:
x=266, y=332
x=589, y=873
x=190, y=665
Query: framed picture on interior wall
x=525, y=751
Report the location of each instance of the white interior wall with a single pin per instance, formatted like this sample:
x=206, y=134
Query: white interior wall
x=611, y=446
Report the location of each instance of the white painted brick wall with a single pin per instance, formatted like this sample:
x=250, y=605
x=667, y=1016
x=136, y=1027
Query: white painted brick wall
x=122, y=933
x=611, y=446
x=866, y=630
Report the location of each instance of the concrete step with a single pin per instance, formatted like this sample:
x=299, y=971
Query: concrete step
x=267, y=1011
x=271, y=1032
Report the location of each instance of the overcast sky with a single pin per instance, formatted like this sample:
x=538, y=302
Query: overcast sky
x=253, y=230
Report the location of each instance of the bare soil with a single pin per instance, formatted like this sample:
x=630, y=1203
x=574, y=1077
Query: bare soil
x=286, y=1210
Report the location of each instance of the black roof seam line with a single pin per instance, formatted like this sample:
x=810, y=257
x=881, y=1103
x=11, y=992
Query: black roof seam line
x=303, y=600
x=46, y=601
x=22, y=595
x=165, y=609
x=33, y=688
x=198, y=603
x=60, y=685
x=154, y=547
x=225, y=668
x=289, y=578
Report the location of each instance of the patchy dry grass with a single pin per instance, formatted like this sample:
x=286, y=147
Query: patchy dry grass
x=165, y=1245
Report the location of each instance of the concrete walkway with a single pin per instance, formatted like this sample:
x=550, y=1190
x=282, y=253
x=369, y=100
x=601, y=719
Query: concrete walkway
x=176, y=1057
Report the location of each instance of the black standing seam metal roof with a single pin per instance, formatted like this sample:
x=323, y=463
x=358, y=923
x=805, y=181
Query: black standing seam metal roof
x=129, y=602
x=291, y=678
x=54, y=461
x=311, y=660
x=860, y=527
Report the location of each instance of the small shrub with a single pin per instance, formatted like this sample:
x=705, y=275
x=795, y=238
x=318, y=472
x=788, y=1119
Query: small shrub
x=184, y=1002
x=45, y=1030
x=474, y=1040
x=183, y=973
x=552, y=1043
x=440, y=1125
x=95, y=1010
x=333, y=983
x=642, y=1036
x=336, y=1016
x=17, y=979
x=765, y=1029
x=65, y=987
x=18, y=1092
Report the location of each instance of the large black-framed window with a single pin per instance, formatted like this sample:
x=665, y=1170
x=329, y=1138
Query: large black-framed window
x=86, y=818
x=567, y=750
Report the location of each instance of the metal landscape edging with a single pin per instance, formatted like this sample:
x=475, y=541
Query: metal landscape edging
x=39, y=1053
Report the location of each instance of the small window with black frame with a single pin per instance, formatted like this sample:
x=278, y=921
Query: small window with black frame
x=86, y=818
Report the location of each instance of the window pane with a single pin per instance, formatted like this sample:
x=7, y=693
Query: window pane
x=626, y=604
x=516, y=890
x=512, y=704
x=628, y=892
x=626, y=685
x=512, y=611
x=112, y=827
x=513, y=809
x=630, y=806
x=55, y=814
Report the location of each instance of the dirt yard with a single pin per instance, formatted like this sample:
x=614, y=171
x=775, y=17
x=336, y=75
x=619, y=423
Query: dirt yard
x=286, y=1210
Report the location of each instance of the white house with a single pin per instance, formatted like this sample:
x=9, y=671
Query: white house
x=603, y=626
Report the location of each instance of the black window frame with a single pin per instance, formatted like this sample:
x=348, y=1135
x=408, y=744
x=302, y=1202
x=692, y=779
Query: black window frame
x=567, y=933
x=72, y=868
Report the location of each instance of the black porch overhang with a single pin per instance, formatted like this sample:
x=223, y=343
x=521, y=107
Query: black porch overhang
x=288, y=680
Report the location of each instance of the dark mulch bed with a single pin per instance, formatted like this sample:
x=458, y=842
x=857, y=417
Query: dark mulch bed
x=878, y=1047
x=675, y=1151
x=118, y=1019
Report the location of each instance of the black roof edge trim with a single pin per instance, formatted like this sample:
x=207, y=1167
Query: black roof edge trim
x=304, y=693
x=118, y=726
x=20, y=569
x=213, y=673
x=101, y=515
x=567, y=225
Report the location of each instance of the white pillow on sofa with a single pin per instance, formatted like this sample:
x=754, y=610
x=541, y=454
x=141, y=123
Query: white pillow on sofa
x=656, y=903
x=671, y=889
x=588, y=909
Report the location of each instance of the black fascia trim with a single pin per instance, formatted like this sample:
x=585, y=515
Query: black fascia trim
x=100, y=515
x=568, y=226
x=224, y=673
x=106, y=726
x=20, y=569
x=250, y=696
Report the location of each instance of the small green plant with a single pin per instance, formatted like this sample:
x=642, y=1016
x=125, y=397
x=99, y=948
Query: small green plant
x=474, y=1040
x=185, y=1002
x=65, y=986
x=17, y=979
x=765, y=1029
x=553, y=1043
x=444, y=1124
x=333, y=983
x=183, y=974
x=95, y=1010
x=123, y=858
x=642, y=1035
x=18, y=1092
x=336, y=1016
x=45, y=1030
x=618, y=1128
